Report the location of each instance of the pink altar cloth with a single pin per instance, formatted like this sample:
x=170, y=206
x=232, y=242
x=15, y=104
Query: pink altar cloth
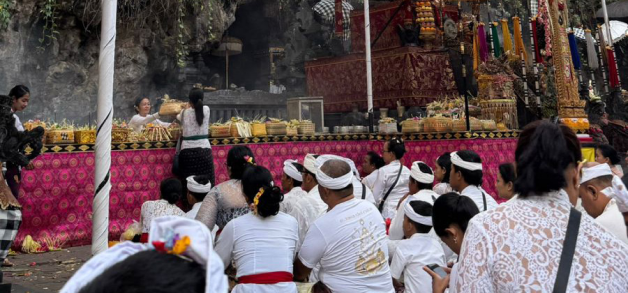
x=56, y=195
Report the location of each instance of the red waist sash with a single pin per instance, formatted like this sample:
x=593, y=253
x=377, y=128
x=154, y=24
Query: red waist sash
x=266, y=278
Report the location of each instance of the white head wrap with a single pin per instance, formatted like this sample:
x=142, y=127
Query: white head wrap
x=333, y=183
x=419, y=176
x=324, y=158
x=456, y=160
x=309, y=163
x=619, y=192
x=595, y=172
x=196, y=187
x=410, y=213
x=161, y=229
x=291, y=170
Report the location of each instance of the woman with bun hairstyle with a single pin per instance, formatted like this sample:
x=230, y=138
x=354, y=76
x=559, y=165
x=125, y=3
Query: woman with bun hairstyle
x=262, y=244
x=522, y=245
x=171, y=191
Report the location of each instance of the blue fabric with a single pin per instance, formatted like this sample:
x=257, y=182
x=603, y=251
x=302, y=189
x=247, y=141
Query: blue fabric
x=575, y=56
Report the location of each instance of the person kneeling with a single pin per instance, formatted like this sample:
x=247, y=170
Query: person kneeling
x=417, y=250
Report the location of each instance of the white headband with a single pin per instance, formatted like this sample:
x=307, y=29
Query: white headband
x=196, y=187
x=595, y=172
x=410, y=213
x=324, y=158
x=456, y=160
x=309, y=163
x=419, y=176
x=291, y=170
x=334, y=183
x=164, y=229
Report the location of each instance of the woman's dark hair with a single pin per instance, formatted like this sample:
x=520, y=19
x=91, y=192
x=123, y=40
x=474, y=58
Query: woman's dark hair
x=427, y=170
x=424, y=209
x=150, y=271
x=470, y=177
x=201, y=179
x=544, y=151
x=451, y=208
x=236, y=161
x=507, y=171
x=18, y=91
x=300, y=168
x=444, y=161
x=397, y=147
x=376, y=160
x=610, y=153
x=171, y=190
x=196, y=99
x=256, y=178
x=137, y=103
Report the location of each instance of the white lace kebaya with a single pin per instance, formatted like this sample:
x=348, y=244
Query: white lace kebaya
x=516, y=247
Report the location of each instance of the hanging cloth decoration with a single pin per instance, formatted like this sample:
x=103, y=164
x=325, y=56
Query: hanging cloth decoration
x=497, y=49
x=602, y=43
x=591, y=54
x=339, y=21
x=482, y=43
x=613, y=78
x=575, y=56
x=476, y=53
x=507, y=38
x=519, y=47
x=535, y=36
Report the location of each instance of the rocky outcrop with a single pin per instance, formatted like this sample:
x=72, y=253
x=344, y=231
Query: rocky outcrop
x=63, y=75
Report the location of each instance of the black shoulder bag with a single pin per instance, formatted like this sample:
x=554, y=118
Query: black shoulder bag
x=569, y=248
x=381, y=204
x=363, y=191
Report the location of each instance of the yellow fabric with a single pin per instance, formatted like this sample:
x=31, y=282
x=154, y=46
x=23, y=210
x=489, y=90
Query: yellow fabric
x=588, y=154
x=519, y=47
x=507, y=38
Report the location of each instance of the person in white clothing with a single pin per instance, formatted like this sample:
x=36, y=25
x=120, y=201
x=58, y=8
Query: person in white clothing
x=261, y=244
x=142, y=108
x=371, y=163
x=517, y=246
x=606, y=154
x=308, y=208
x=505, y=181
x=419, y=249
x=392, y=179
x=596, y=190
x=466, y=178
x=180, y=258
x=291, y=181
x=451, y=214
x=349, y=241
x=170, y=190
x=360, y=191
x=441, y=174
x=198, y=188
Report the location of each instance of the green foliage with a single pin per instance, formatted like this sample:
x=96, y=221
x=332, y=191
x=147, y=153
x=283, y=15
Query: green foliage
x=49, y=31
x=5, y=13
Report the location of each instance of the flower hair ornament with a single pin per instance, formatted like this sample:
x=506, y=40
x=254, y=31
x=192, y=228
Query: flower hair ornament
x=256, y=199
x=186, y=238
x=249, y=160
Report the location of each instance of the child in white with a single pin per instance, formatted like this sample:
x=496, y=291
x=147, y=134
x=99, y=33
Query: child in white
x=418, y=250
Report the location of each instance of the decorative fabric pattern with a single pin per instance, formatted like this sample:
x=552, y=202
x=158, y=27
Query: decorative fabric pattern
x=57, y=195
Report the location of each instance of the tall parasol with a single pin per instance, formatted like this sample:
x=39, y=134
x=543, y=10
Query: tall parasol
x=619, y=30
x=229, y=46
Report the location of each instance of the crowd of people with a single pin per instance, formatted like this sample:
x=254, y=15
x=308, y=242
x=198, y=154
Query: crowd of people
x=562, y=227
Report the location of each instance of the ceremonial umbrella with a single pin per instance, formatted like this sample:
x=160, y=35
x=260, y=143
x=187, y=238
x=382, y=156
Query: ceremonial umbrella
x=615, y=10
x=619, y=30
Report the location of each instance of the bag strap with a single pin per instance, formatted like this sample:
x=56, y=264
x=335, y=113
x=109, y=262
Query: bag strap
x=180, y=140
x=381, y=204
x=484, y=200
x=569, y=248
x=363, y=191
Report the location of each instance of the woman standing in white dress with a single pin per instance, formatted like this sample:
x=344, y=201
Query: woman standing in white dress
x=517, y=247
x=261, y=244
x=142, y=108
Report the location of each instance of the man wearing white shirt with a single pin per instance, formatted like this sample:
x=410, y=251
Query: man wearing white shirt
x=308, y=208
x=291, y=181
x=596, y=191
x=198, y=187
x=360, y=190
x=349, y=241
x=466, y=178
x=387, y=189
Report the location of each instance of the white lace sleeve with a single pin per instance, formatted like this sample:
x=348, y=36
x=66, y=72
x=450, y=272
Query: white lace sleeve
x=209, y=208
x=473, y=266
